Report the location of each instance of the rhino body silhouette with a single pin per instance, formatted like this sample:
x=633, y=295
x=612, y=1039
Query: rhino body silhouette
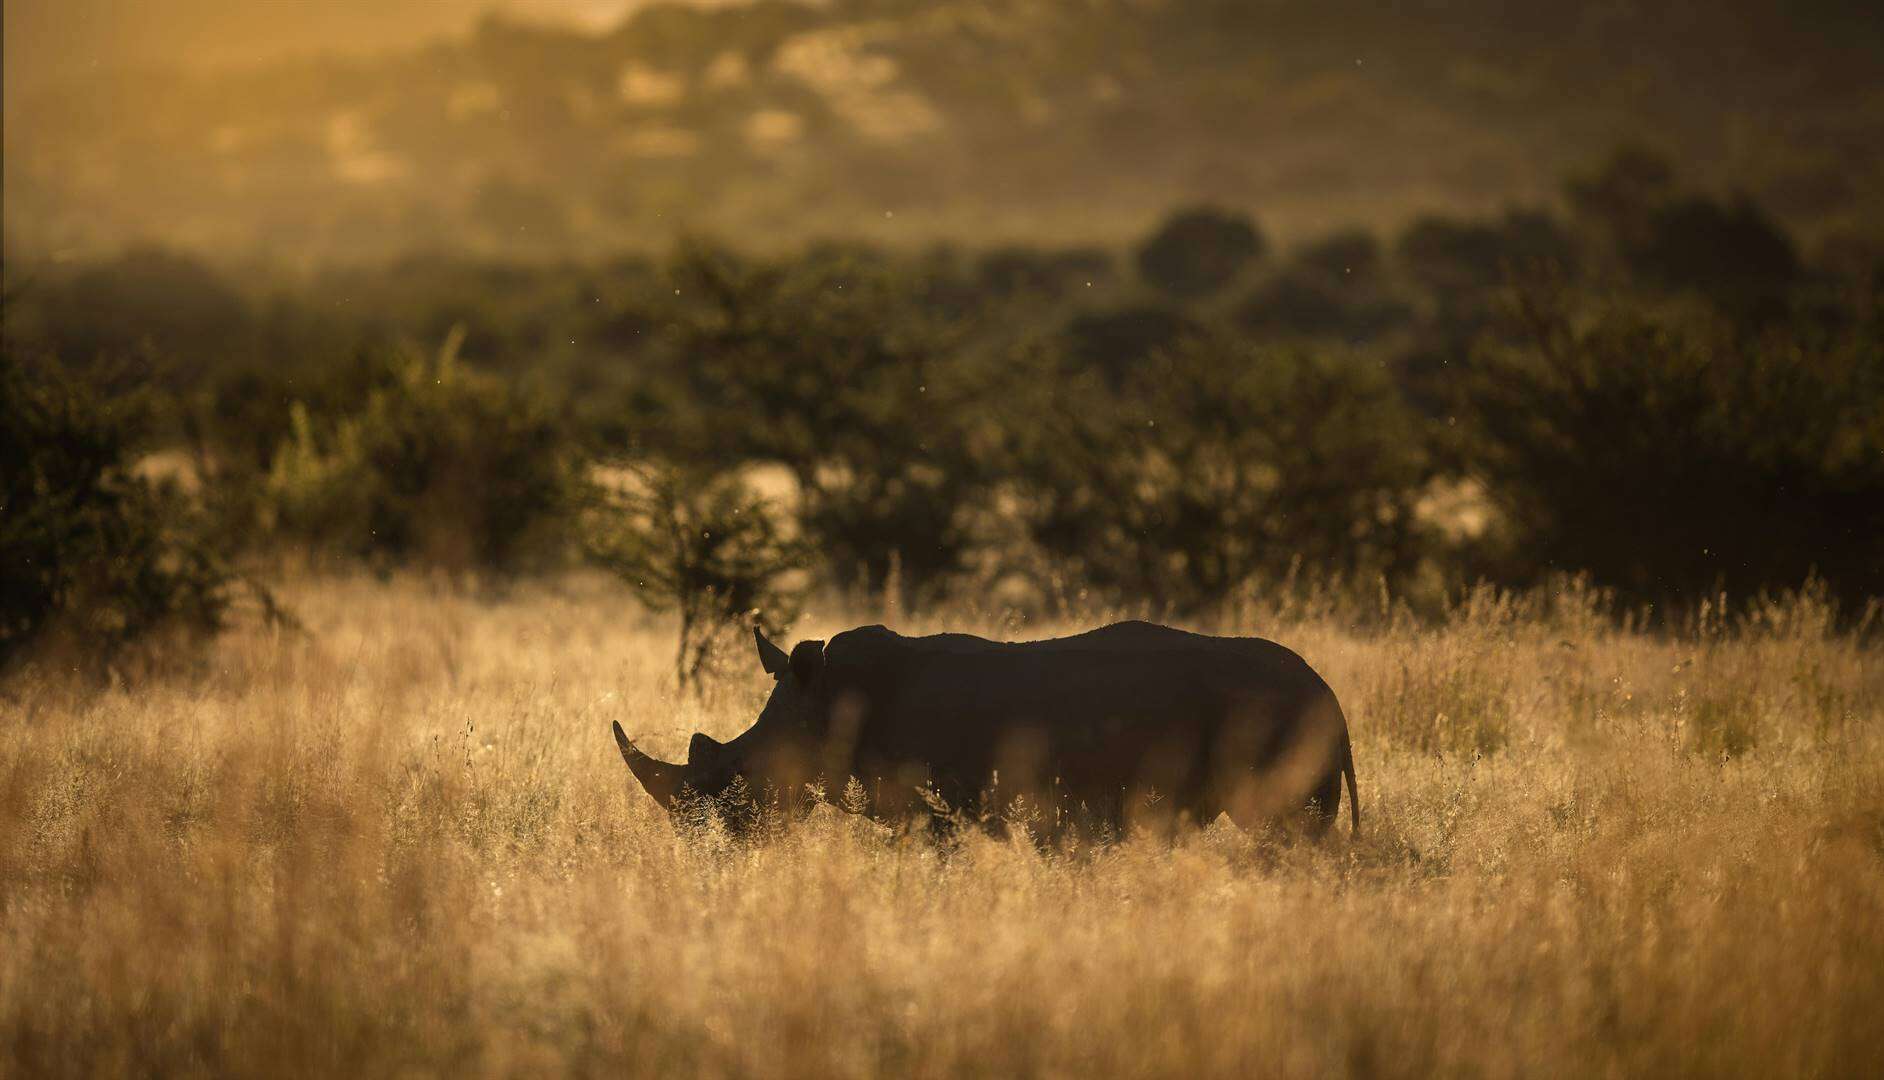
x=1125, y=725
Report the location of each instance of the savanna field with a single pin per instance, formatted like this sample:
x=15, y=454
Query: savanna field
x=403, y=842
x=398, y=395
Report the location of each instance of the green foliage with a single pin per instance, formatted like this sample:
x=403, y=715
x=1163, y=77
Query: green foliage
x=931, y=419
x=1669, y=459
x=236, y=416
x=95, y=557
x=1218, y=465
x=698, y=544
x=827, y=369
x=440, y=464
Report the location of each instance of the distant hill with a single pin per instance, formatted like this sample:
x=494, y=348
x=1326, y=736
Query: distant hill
x=913, y=123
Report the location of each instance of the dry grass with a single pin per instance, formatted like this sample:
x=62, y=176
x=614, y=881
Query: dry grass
x=408, y=845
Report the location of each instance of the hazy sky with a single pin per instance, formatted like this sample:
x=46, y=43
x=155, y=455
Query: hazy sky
x=47, y=37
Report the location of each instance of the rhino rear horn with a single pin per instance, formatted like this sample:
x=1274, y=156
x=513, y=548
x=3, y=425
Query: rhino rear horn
x=703, y=748
x=771, y=657
x=808, y=662
x=661, y=780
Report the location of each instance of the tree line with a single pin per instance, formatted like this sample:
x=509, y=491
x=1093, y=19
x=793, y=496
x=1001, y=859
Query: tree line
x=1648, y=385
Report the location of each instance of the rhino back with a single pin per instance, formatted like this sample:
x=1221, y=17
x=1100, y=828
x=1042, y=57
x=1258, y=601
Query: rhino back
x=1092, y=707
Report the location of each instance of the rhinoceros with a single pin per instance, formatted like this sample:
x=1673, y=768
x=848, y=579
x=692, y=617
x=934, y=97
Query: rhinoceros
x=1127, y=723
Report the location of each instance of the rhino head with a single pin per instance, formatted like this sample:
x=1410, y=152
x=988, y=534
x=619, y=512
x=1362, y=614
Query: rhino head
x=775, y=757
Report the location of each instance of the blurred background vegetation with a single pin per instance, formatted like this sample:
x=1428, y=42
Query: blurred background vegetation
x=1020, y=305
x=310, y=130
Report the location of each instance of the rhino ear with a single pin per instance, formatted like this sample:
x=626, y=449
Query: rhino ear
x=808, y=662
x=771, y=657
x=703, y=748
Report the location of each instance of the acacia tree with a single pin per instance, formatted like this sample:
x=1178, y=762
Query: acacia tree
x=698, y=544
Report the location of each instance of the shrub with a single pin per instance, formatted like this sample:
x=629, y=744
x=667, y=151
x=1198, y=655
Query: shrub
x=242, y=410
x=1310, y=304
x=1616, y=199
x=826, y=369
x=1332, y=289
x=144, y=302
x=439, y=464
x=1671, y=459
x=1733, y=253
x=1118, y=342
x=1041, y=274
x=96, y=558
x=1196, y=252
x=1459, y=260
x=700, y=545
x=1220, y=464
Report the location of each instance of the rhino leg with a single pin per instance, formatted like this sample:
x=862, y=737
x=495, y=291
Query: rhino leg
x=1323, y=803
x=1289, y=774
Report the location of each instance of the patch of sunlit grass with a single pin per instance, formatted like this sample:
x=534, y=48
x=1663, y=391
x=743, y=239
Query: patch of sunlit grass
x=406, y=843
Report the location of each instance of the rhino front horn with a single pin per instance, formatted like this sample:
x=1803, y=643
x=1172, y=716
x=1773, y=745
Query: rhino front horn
x=771, y=657
x=659, y=778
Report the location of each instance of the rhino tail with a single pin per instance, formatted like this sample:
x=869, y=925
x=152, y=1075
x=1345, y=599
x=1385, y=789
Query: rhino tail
x=1347, y=770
